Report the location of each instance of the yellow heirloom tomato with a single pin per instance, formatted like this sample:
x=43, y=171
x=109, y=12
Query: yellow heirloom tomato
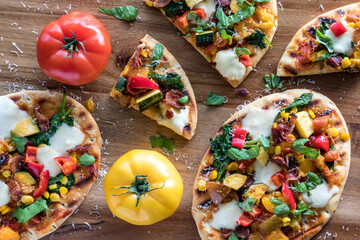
x=143, y=187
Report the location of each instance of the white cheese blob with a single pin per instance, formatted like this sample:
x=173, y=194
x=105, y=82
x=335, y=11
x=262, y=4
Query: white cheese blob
x=45, y=155
x=259, y=122
x=10, y=115
x=342, y=44
x=226, y=216
x=209, y=8
x=4, y=194
x=228, y=64
x=263, y=174
x=178, y=121
x=321, y=195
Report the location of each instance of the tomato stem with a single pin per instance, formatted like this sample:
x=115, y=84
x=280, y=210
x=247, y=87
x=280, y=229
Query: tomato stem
x=71, y=44
x=139, y=187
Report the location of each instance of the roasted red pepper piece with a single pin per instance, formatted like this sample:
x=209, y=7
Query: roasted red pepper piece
x=331, y=156
x=66, y=164
x=320, y=124
x=239, y=136
x=35, y=169
x=320, y=141
x=30, y=154
x=139, y=82
x=334, y=61
x=183, y=21
x=288, y=194
x=338, y=28
x=245, y=60
x=169, y=114
x=256, y=212
x=245, y=221
x=44, y=180
x=279, y=178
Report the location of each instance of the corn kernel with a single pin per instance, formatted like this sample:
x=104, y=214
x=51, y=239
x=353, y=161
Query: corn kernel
x=11, y=147
x=73, y=157
x=6, y=210
x=321, y=53
x=2, y=208
x=357, y=54
x=275, y=125
x=295, y=225
x=54, y=197
x=202, y=185
x=302, y=174
x=353, y=63
x=144, y=52
x=6, y=173
x=352, y=25
x=283, y=114
x=286, y=221
x=271, y=149
x=277, y=150
x=291, y=136
x=27, y=199
x=46, y=194
x=149, y=3
x=230, y=41
x=89, y=104
x=299, y=158
x=345, y=137
x=213, y=175
x=126, y=71
x=294, y=110
x=314, y=56
x=232, y=167
x=64, y=180
x=63, y=191
x=53, y=186
x=3, y=148
x=333, y=132
x=312, y=114
x=42, y=145
x=357, y=24
x=345, y=63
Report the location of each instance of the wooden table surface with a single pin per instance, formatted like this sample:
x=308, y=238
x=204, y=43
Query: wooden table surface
x=125, y=129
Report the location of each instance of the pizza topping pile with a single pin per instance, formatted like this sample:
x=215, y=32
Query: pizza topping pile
x=38, y=157
x=271, y=175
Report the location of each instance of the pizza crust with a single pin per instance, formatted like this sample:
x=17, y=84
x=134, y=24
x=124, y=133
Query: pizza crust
x=280, y=100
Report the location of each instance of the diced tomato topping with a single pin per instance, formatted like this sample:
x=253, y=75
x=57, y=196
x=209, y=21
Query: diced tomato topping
x=66, y=164
x=183, y=22
x=35, y=169
x=200, y=12
x=169, y=114
x=245, y=221
x=288, y=194
x=331, y=156
x=320, y=141
x=245, y=60
x=256, y=212
x=139, y=82
x=279, y=178
x=320, y=124
x=239, y=136
x=338, y=28
x=30, y=154
x=238, y=142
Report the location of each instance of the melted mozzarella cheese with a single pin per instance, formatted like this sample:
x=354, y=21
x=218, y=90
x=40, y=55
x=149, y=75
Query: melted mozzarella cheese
x=228, y=64
x=66, y=137
x=321, y=195
x=10, y=115
x=226, y=216
x=4, y=194
x=209, y=8
x=342, y=44
x=263, y=174
x=178, y=121
x=45, y=155
x=259, y=122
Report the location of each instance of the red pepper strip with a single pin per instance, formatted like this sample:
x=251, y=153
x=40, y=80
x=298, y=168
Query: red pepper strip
x=139, y=82
x=320, y=141
x=245, y=60
x=256, y=212
x=66, y=164
x=320, y=124
x=35, y=169
x=279, y=178
x=288, y=194
x=30, y=154
x=331, y=156
x=245, y=221
x=44, y=180
x=183, y=22
x=338, y=28
x=239, y=136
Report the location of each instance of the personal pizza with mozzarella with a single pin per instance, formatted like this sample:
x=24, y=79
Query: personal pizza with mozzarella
x=275, y=170
x=49, y=158
x=233, y=35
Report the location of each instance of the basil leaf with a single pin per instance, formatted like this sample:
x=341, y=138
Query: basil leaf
x=325, y=55
x=302, y=208
x=214, y=99
x=20, y=143
x=224, y=33
x=175, y=8
x=170, y=80
x=86, y=160
x=324, y=27
x=127, y=13
x=25, y=213
x=241, y=51
x=308, y=152
x=300, y=187
x=311, y=183
x=265, y=142
x=156, y=55
x=243, y=154
x=225, y=21
x=233, y=237
x=324, y=40
x=248, y=204
x=301, y=102
x=272, y=81
x=166, y=145
x=281, y=209
x=183, y=100
x=258, y=38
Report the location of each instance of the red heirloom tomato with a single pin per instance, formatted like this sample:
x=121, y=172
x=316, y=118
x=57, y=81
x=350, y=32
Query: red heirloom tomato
x=74, y=49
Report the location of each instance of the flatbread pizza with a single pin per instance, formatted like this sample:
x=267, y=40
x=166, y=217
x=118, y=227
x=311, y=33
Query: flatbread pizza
x=49, y=158
x=154, y=83
x=329, y=43
x=232, y=35
x=275, y=170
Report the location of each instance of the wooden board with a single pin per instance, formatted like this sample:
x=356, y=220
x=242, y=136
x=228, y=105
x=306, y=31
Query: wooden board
x=125, y=129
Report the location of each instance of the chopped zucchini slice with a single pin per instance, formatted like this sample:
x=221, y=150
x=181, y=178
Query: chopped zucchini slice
x=235, y=181
x=149, y=99
x=257, y=191
x=304, y=124
x=25, y=128
x=263, y=156
x=204, y=38
x=24, y=178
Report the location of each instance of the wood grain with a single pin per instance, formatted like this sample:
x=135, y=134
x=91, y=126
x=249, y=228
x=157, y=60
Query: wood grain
x=125, y=129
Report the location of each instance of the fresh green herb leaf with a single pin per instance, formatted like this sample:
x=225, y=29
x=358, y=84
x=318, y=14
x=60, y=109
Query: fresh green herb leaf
x=325, y=55
x=243, y=154
x=308, y=152
x=68, y=185
x=25, y=213
x=324, y=27
x=233, y=237
x=281, y=209
x=258, y=38
x=183, y=100
x=127, y=13
x=272, y=81
x=175, y=8
x=302, y=208
x=86, y=160
x=265, y=142
x=214, y=99
x=20, y=143
x=169, y=81
x=225, y=21
x=166, y=145
x=224, y=33
x=156, y=55
x=324, y=40
x=121, y=83
x=301, y=102
x=241, y=51
x=248, y=204
x=311, y=183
